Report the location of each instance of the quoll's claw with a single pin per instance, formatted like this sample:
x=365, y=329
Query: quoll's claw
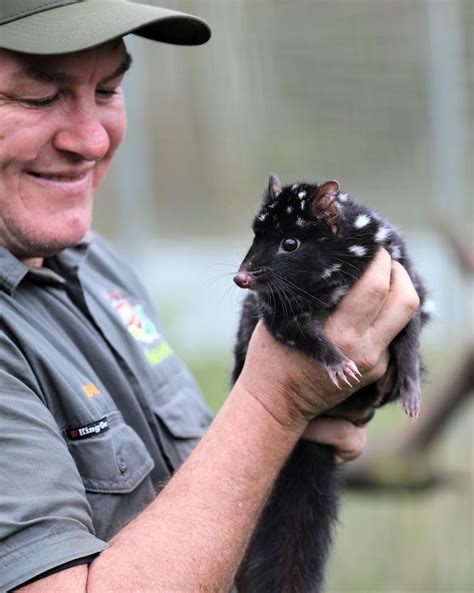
x=333, y=376
x=353, y=371
x=410, y=398
x=411, y=410
x=342, y=372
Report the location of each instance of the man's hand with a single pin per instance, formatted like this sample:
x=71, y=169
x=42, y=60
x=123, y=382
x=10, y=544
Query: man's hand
x=294, y=388
x=372, y=313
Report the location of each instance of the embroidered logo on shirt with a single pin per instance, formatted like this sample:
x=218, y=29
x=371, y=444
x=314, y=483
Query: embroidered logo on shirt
x=140, y=327
x=91, y=390
x=88, y=430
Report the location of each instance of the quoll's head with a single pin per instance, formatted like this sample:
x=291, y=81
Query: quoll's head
x=294, y=233
x=62, y=112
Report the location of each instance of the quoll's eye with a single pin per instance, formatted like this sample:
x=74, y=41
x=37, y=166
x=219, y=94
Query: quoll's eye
x=290, y=244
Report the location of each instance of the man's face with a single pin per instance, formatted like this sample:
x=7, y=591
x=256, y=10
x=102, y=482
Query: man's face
x=61, y=120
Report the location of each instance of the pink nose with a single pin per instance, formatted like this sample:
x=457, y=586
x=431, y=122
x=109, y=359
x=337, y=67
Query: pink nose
x=243, y=279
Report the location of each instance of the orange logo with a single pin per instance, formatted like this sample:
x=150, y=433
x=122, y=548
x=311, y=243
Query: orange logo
x=91, y=390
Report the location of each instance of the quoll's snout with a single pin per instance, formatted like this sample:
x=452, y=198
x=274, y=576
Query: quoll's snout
x=243, y=279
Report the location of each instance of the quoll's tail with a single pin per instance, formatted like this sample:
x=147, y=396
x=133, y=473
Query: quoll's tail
x=292, y=541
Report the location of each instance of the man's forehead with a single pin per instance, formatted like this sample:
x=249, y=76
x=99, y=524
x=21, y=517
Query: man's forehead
x=110, y=60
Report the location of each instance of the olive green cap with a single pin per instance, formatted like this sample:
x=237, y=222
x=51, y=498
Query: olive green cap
x=63, y=26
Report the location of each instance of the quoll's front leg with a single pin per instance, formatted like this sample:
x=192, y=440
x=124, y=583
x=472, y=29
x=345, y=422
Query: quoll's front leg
x=341, y=372
x=248, y=320
x=314, y=343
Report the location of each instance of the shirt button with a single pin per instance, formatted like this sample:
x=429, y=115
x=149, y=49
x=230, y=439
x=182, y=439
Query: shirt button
x=122, y=464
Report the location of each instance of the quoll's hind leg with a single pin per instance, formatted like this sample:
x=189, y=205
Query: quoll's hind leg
x=405, y=363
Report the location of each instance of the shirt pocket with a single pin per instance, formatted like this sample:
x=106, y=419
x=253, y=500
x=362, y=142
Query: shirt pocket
x=115, y=461
x=179, y=407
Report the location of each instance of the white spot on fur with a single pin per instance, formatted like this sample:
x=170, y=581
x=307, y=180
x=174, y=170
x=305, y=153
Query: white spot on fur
x=342, y=197
x=338, y=293
x=291, y=343
x=428, y=308
x=358, y=250
x=289, y=209
x=361, y=221
x=295, y=186
x=300, y=221
x=302, y=194
x=327, y=273
x=330, y=271
x=382, y=234
x=262, y=216
x=396, y=252
x=302, y=204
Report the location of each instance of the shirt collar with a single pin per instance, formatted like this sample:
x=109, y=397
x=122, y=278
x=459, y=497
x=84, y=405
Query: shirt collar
x=13, y=271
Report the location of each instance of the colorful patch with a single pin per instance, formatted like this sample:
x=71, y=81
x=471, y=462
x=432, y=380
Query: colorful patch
x=140, y=327
x=159, y=353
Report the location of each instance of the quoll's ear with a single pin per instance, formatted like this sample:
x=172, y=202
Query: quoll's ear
x=323, y=204
x=273, y=189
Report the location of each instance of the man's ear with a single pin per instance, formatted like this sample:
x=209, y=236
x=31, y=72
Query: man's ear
x=273, y=189
x=323, y=206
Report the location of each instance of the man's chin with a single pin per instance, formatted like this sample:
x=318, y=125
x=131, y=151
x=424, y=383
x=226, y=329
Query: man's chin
x=48, y=248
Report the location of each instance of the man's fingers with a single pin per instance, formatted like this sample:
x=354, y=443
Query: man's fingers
x=398, y=308
x=363, y=303
x=348, y=440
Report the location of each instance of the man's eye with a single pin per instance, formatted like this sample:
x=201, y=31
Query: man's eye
x=43, y=102
x=106, y=93
x=289, y=245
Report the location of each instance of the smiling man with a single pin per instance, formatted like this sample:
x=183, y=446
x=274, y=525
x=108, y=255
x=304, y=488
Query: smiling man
x=62, y=120
x=96, y=412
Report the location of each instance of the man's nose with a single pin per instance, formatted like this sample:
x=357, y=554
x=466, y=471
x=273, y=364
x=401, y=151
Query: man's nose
x=83, y=135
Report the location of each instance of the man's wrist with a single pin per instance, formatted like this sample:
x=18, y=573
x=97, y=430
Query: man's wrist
x=270, y=397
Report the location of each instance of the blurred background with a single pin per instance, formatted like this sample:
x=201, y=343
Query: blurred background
x=379, y=95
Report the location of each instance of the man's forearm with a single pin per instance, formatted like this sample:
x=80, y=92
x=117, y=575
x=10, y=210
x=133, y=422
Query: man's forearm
x=194, y=534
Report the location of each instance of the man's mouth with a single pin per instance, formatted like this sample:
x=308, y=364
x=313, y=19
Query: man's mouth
x=65, y=182
x=58, y=177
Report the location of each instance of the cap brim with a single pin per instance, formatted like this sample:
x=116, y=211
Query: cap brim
x=85, y=25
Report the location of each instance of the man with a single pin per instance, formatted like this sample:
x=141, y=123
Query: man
x=96, y=412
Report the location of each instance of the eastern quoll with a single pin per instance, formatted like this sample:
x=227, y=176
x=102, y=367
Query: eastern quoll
x=311, y=243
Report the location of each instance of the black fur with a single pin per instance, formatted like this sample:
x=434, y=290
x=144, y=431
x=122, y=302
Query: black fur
x=294, y=292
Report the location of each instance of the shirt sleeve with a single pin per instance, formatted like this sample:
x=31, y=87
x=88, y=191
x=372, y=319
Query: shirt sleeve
x=45, y=518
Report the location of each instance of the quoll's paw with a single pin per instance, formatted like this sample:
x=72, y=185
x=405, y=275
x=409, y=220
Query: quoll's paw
x=343, y=370
x=410, y=397
x=411, y=403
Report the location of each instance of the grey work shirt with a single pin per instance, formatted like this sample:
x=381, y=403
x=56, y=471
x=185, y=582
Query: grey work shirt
x=95, y=409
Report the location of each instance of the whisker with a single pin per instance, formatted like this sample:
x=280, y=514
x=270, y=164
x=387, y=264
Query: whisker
x=219, y=277
x=298, y=288
x=285, y=301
